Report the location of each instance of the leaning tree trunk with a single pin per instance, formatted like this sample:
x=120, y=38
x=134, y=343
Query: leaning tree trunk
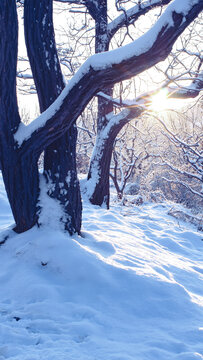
x=98, y=177
x=59, y=157
x=20, y=172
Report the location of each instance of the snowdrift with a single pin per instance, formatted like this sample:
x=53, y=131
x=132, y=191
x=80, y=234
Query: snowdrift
x=130, y=288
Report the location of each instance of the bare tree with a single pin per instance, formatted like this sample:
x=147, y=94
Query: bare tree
x=128, y=158
x=190, y=145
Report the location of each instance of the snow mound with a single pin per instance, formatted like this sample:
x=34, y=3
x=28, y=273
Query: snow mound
x=130, y=288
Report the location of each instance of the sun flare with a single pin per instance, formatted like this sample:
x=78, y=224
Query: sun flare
x=160, y=101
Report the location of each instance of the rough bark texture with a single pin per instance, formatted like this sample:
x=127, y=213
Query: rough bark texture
x=60, y=156
x=102, y=45
x=98, y=10
x=19, y=172
x=102, y=159
x=101, y=193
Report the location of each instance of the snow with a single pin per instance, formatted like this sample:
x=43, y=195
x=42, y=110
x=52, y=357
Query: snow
x=114, y=24
x=180, y=7
x=129, y=288
x=51, y=209
x=106, y=60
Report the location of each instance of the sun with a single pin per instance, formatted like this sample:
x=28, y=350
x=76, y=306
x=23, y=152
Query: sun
x=160, y=101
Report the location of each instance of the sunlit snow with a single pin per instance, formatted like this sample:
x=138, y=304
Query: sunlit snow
x=130, y=288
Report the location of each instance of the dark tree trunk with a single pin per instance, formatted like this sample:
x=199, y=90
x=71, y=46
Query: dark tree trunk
x=99, y=172
x=20, y=173
x=101, y=45
x=102, y=159
x=59, y=157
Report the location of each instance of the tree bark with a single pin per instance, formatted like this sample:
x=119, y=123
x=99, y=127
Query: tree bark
x=98, y=175
x=20, y=172
x=60, y=156
x=100, y=161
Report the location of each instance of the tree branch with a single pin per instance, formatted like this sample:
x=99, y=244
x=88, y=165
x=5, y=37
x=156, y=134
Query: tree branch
x=190, y=91
x=105, y=69
x=143, y=100
x=132, y=14
x=185, y=185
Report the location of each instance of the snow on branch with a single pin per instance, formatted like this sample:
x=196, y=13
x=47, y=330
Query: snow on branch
x=22, y=75
x=183, y=184
x=179, y=142
x=141, y=101
x=77, y=2
x=131, y=15
x=144, y=100
x=190, y=91
x=105, y=69
x=192, y=156
x=182, y=172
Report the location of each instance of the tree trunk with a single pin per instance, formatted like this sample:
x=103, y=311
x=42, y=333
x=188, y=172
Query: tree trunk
x=99, y=172
x=20, y=173
x=59, y=157
x=101, y=159
x=98, y=176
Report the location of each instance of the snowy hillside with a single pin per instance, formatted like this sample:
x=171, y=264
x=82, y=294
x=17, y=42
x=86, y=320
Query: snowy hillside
x=129, y=289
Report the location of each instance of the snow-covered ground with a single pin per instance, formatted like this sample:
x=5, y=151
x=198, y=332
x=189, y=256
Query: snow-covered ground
x=129, y=289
